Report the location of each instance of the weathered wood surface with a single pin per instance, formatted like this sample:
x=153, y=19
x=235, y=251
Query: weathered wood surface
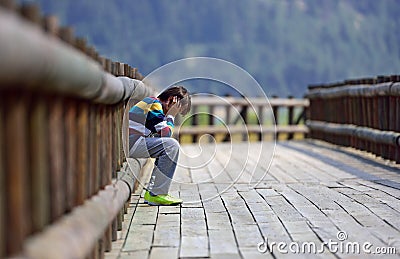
x=311, y=194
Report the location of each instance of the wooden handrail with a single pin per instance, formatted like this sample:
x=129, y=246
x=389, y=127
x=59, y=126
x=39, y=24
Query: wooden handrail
x=362, y=113
x=46, y=61
x=377, y=136
x=236, y=129
x=76, y=233
x=232, y=101
x=259, y=107
x=61, y=142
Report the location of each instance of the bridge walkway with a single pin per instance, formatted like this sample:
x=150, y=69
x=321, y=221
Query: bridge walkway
x=314, y=193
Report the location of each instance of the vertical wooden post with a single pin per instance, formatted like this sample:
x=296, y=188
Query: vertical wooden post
x=31, y=12
x=368, y=115
x=71, y=152
x=125, y=126
x=260, y=119
x=114, y=147
x=57, y=157
x=16, y=161
x=134, y=73
x=39, y=166
x=375, y=147
x=116, y=157
x=211, y=111
x=244, y=115
x=384, y=123
x=67, y=35
x=109, y=168
x=51, y=25
x=103, y=167
x=397, y=126
x=121, y=69
x=97, y=154
x=127, y=70
x=227, y=121
x=349, y=120
x=275, y=111
x=195, y=122
x=392, y=124
x=93, y=151
x=121, y=110
x=108, y=65
x=82, y=152
x=290, y=118
x=8, y=4
x=2, y=181
x=80, y=44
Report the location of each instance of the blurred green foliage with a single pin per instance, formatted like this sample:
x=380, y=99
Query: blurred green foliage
x=284, y=44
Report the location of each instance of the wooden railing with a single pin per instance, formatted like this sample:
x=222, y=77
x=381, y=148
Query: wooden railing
x=364, y=114
x=61, y=119
x=249, y=119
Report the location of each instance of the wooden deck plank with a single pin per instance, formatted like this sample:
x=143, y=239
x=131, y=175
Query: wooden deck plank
x=301, y=159
x=222, y=241
x=301, y=199
x=304, y=169
x=194, y=239
x=351, y=162
x=164, y=252
x=139, y=237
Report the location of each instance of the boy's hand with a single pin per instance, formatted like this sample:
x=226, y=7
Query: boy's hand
x=174, y=107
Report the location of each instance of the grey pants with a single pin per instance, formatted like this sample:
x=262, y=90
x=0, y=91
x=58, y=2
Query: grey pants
x=166, y=152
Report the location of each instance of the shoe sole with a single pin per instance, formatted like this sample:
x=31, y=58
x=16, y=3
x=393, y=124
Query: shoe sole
x=159, y=204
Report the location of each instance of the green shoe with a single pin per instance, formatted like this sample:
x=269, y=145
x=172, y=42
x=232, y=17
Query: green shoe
x=162, y=199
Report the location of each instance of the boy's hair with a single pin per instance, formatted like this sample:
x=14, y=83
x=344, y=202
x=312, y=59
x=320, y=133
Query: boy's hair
x=182, y=94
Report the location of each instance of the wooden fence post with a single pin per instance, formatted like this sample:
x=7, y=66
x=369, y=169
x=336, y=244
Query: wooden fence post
x=2, y=182
x=82, y=152
x=31, y=12
x=57, y=157
x=93, y=151
x=370, y=115
x=290, y=118
x=397, y=125
x=108, y=168
x=211, y=114
x=8, y=4
x=16, y=162
x=260, y=120
x=39, y=166
x=275, y=111
x=244, y=115
x=195, y=122
x=71, y=154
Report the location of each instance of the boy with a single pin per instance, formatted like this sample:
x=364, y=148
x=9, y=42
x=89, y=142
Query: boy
x=151, y=122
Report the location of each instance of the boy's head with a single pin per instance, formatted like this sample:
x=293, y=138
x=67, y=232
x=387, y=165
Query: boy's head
x=181, y=94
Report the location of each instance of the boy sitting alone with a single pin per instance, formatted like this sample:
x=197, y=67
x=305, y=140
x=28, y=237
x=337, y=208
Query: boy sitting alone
x=151, y=122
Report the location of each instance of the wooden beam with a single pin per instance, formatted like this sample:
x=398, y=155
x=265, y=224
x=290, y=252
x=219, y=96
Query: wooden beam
x=24, y=45
x=75, y=234
x=236, y=129
x=370, y=134
x=229, y=101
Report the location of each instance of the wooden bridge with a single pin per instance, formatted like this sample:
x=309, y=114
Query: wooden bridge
x=327, y=186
